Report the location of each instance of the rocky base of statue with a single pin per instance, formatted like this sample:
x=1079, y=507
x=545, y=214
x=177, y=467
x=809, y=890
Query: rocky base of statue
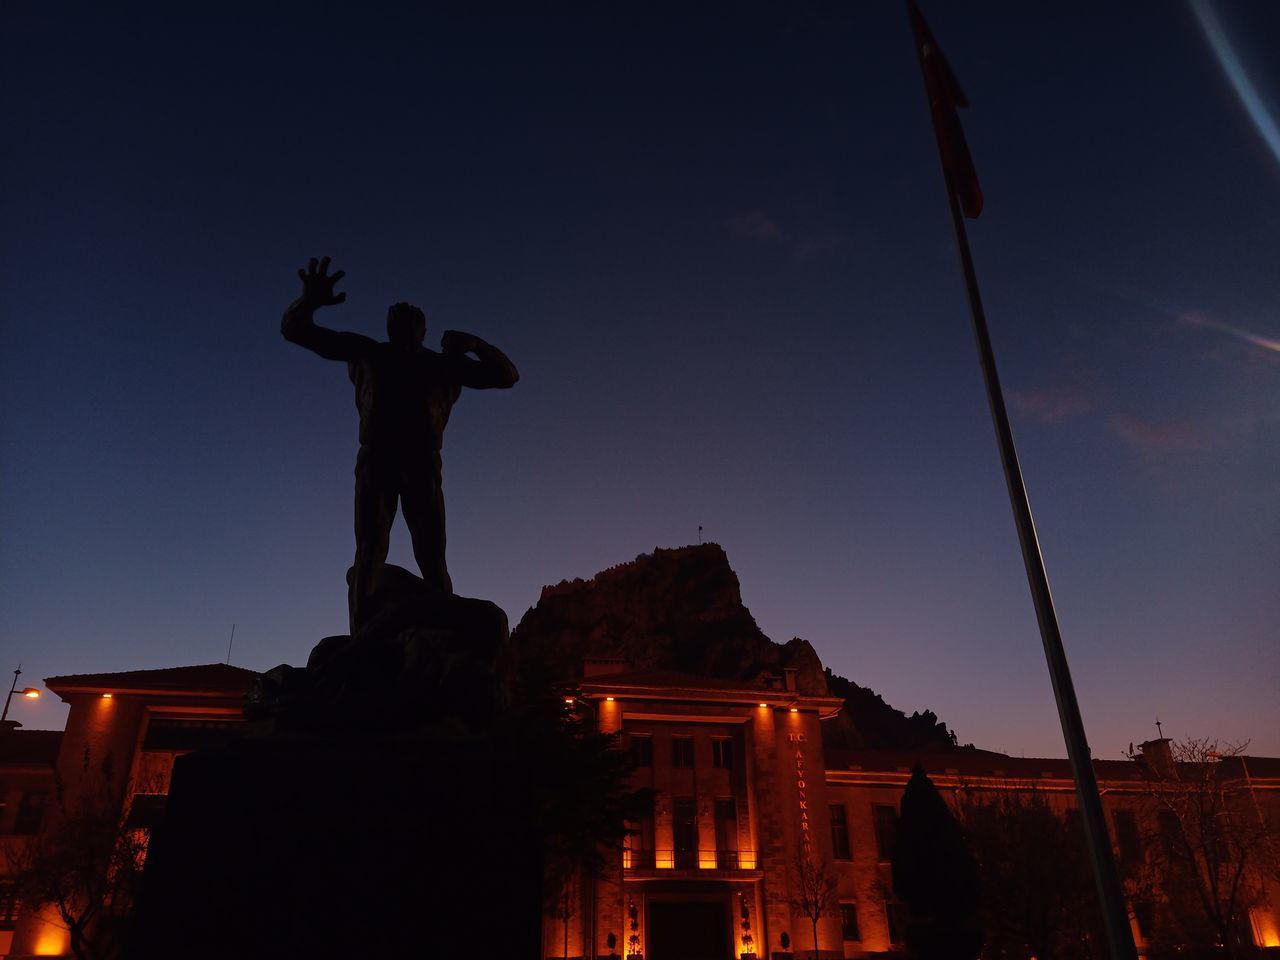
x=421, y=659
x=370, y=810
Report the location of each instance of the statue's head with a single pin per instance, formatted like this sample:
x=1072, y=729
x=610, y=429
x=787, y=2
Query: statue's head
x=406, y=324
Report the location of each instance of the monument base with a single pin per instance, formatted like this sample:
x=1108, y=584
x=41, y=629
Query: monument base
x=344, y=848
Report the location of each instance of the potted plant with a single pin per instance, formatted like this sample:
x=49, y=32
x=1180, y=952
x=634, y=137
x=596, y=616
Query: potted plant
x=612, y=942
x=633, y=940
x=785, y=940
x=748, y=941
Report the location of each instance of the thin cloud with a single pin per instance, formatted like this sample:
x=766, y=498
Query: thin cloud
x=755, y=226
x=1195, y=318
x=1052, y=405
x=1159, y=436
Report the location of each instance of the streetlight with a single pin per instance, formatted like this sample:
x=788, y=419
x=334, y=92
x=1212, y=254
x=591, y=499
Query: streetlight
x=31, y=693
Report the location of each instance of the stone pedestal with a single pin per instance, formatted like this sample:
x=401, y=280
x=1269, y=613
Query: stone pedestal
x=345, y=848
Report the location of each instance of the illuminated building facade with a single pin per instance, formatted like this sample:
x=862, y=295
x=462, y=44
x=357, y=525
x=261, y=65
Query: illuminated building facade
x=742, y=781
x=116, y=754
x=743, y=787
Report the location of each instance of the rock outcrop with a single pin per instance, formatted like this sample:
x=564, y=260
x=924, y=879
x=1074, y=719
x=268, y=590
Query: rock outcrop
x=675, y=609
x=681, y=609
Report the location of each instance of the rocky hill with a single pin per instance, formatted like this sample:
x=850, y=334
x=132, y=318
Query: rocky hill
x=682, y=610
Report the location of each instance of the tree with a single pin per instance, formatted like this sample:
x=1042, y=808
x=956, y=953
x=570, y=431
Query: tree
x=936, y=876
x=1038, y=898
x=86, y=863
x=563, y=903
x=1206, y=846
x=578, y=781
x=813, y=887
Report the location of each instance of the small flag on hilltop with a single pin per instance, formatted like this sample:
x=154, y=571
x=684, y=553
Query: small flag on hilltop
x=945, y=95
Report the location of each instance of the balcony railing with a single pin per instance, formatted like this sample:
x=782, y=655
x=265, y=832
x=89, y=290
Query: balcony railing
x=638, y=858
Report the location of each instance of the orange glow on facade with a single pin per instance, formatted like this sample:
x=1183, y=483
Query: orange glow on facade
x=1266, y=933
x=706, y=860
x=52, y=940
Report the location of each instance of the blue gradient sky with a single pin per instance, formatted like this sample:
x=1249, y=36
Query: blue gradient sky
x=717, y=247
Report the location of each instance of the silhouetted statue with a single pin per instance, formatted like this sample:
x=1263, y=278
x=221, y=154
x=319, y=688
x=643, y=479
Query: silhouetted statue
x=404, y=393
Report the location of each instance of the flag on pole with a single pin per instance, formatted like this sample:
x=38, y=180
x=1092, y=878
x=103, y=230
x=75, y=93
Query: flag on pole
x=945, y=96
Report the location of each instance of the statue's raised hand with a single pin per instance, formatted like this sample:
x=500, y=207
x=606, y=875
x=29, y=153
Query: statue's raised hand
x=317, y=285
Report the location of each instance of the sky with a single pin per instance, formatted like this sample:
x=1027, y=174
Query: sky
x=717, y=247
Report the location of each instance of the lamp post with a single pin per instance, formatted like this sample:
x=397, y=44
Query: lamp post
x=31, y=693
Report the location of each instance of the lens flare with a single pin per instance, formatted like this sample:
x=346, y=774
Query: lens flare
x=1229, y=60
x=1200, y=320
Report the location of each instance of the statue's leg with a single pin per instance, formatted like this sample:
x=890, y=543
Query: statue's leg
x=423, y=501
x=375, y=512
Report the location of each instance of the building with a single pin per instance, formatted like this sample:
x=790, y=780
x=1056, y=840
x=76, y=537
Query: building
x=744, y=788
x=113, y=758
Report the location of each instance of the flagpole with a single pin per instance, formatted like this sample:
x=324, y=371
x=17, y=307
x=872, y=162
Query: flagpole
x=1110, y=894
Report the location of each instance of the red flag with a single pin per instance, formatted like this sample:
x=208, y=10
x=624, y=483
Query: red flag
x=945, y=96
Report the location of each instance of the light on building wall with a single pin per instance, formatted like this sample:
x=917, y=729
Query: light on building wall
x=51, y=941
x=568, y=700
x=610, y=699
x=106, y=696
x=795, y=709
x=1266, y=933
x=764, y=705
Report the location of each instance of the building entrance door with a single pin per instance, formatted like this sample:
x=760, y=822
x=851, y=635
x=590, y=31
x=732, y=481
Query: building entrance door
x=688, y=930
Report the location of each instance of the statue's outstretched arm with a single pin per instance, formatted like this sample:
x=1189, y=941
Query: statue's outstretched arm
x=298, y=324
x=493, y=369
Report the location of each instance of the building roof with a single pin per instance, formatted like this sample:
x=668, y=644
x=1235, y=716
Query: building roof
x=673, y=684
x=29, y=748
x=672, y=679
x=205, y=678
x=974, y=763
x=969, y=762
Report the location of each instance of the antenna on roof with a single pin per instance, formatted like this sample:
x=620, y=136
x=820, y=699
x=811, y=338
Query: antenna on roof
x=1159, y=729
x=699, y=534
x=230, y=642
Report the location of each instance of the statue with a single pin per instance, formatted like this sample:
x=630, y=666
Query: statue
x=404, y=393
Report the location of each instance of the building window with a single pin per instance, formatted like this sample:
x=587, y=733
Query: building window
x=686, y=833
x=10, y=905
x=886, y=818
x=30, y=812
x=682, y=751
x=727, y=833
x=1170, y=828
x=642, y=749
x=849, y=921
x=1127, y=838
x=840, y=834
x=638, y=854
x=722, y=753
x=896, y=913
